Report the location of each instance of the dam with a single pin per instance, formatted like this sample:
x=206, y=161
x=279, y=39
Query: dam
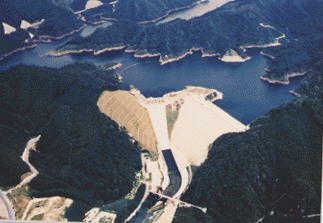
x=176, y=130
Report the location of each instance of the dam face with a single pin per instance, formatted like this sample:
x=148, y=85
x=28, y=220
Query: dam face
x=125, y=109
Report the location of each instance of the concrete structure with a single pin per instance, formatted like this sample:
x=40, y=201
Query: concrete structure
x=196, y=122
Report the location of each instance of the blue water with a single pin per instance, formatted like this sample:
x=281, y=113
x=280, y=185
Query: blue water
x=246, y=97
x=169, y=158
x=88, y=30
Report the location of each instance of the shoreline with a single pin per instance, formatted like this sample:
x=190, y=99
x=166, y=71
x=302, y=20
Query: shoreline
x=165, y=59
x=273, y=44
x=94, y=52
x=49, y=39
x=3, y=56
x=283, y=82
x=293, y=92
x=103, y=20
x=231, y=56
x=267, y=55
x=265, y=45
x=116, y=66
x=98, y=52
x=162, y=59
x=158, y=19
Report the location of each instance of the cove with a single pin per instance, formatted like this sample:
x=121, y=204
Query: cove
x=246, y=97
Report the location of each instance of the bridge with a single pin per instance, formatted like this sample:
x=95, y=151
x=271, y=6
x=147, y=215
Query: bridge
x=180, y=203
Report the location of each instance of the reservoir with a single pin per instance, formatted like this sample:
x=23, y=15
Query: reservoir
x=246, y=97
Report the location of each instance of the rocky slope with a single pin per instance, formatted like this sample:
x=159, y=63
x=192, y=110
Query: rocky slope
x=82, y=154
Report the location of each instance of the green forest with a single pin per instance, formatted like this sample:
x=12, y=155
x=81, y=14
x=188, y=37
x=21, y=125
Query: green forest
x=59, y=20
x=137, y=10
x=272, y=171
x=82, y=153
x=233, y=25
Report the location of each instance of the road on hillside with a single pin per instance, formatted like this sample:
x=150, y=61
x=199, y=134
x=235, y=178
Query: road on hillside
x=10, y=211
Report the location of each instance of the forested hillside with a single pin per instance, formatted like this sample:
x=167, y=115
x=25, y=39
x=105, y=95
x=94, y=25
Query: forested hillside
x=233, y=26
x=137, y=10
x=54, y=20
x=82, y=154
x=220, y=30
x=75, y=5
x=304, y=46
x=270, y=173
x=312, y=84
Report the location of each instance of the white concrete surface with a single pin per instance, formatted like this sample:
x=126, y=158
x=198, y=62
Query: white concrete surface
x=157, y=113
x=199, y=123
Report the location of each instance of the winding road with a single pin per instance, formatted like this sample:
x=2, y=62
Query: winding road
x=31, y=145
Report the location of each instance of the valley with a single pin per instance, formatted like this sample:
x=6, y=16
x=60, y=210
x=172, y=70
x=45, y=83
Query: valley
x=164, y=111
